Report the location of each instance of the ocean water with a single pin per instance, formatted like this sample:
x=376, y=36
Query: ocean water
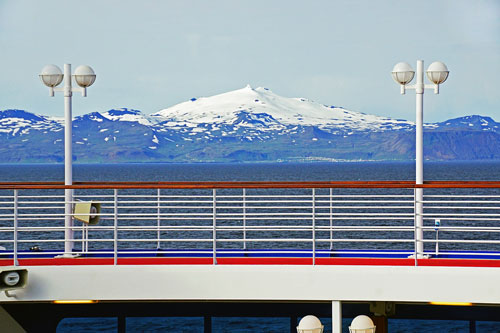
x=253, y=172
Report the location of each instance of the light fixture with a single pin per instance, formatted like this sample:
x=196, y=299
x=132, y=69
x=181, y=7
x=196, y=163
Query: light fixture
x=310, y=324
x=362, y=324
x=437, y=72
x=75, y=301
x=84, y=75
x=402, y=73
x=451, y=303
x=51, y=76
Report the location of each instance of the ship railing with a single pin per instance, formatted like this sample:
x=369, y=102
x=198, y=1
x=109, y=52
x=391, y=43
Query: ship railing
x=214, y=220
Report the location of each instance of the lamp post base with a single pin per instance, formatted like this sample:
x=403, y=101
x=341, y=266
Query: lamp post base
x=67, y=255
x=419, y=256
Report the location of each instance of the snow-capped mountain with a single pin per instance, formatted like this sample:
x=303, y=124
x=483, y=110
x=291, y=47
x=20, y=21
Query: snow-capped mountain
x=241, y=125
x=261, y=107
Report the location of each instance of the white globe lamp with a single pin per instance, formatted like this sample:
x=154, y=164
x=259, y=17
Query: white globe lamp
x=84, y=76
x=310, y=324
x=437, y=72
x=362, y=324
x=402, y=73
x=51, y=76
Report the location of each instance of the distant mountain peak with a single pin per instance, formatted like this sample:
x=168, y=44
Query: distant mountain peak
x=16, y=122
x=472, y=122
x=225, y=108
x=21, y=114
x=122, y=111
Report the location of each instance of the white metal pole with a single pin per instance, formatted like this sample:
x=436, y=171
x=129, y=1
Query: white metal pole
x=244, y=219
x=214, y=226
x=16, y=221
x=158, y=221
x=419, y=166
x=336, y=317
x=314, y=226
x=68, y=168
x=115, y=224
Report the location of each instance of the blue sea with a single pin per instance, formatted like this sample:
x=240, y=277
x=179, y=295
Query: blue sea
x=253, y=172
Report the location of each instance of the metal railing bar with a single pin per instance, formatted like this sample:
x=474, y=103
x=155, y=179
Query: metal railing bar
x=458, y=216
x=451, y=228
x=461, y=207
x=460, y=196
x=468, y=241
x=165, y=196
x=251, y=228
x=465, y=219
x=39, y=196
x=462, y=253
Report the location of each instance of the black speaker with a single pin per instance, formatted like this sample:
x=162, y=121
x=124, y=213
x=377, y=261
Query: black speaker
x=12, y=279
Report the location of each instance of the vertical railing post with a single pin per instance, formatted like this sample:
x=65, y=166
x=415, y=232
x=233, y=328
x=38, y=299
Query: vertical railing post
x=158, y=218
x=214, y=226
x=419, y=221
x=244, y=220
x=16, y=262
x=314, y=226
x=331, y=219
x=86, y=237
x=83, y=237
x=437, y=224
x=115, y=226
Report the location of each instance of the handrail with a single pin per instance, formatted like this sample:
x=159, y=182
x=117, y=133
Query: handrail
x=319, y=218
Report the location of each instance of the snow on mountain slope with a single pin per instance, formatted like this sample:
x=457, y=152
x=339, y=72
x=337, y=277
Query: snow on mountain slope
x=129, y=115
x=19, y=122
x=263, y=105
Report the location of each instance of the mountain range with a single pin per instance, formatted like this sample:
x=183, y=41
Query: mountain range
x=244, y=125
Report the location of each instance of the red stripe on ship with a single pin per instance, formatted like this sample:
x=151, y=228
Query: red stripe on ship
x=255, y=261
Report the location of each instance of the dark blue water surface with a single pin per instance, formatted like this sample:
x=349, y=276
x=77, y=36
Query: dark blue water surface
x=253, y=172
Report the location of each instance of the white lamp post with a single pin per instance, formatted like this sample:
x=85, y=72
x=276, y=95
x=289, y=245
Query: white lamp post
x=402, y=73
x=52, y=76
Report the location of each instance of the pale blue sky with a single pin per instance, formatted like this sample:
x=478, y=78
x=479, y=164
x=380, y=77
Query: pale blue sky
x=150, y=55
